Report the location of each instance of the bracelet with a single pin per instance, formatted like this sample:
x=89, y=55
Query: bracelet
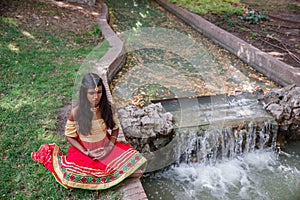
x=112, y=136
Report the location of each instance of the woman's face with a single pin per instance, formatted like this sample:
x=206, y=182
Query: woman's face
x=94, y=96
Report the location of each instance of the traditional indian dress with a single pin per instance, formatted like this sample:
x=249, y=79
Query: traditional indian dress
x=76, y=170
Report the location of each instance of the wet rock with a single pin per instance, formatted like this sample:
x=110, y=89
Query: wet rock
x=276, y=110
x=145, y=149
x=147, y=129
x=160, y=142
x=284, y=105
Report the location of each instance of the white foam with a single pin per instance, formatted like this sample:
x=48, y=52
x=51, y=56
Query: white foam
x=246, y=177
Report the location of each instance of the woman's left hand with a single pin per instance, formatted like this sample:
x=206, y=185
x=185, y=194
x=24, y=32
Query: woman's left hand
x=101, y=153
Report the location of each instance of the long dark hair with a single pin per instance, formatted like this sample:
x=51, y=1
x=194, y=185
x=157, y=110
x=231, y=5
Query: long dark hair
x=84, y=114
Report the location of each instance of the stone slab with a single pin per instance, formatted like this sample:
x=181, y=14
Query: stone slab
x=132, y=189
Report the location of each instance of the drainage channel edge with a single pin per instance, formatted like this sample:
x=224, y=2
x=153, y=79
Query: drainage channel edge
x=110, y=64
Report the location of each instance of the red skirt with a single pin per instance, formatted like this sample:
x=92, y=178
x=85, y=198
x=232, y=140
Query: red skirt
x=77, y=170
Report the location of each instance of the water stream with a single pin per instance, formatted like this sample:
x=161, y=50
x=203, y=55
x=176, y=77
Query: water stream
x=256, y=175
x=168, y=59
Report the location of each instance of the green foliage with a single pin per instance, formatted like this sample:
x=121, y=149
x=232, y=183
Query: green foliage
x=9, y=20
x=38, y=68
x=294, y=7
x=203, y=7
x=254, y=36
x=254, y=17
x=95, y=30
x=55, y=13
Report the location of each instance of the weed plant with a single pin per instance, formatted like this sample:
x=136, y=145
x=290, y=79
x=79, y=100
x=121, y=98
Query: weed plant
x=254, y=17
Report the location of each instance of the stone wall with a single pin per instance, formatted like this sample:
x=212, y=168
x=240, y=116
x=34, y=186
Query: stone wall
x=284, y=105
x=88, y=2
x=147, y=129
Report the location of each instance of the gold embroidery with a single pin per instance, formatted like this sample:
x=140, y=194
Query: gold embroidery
x=98, y=132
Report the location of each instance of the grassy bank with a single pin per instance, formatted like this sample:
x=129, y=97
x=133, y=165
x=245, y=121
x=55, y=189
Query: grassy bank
x=38, y=67
x=203, y=7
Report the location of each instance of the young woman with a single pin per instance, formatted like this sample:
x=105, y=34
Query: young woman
x=95, y=160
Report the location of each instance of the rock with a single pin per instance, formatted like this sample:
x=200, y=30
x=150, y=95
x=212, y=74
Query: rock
x=123, y=113
x=148, y=128
x=88, y=2
x=147, y=122
x=145, y=149
x=126, y=123
x=160, y=142
x=133, y=131
x=284, y=105
x=297, y=112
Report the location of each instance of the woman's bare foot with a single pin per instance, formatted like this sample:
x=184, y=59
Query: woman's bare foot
x=136, y=174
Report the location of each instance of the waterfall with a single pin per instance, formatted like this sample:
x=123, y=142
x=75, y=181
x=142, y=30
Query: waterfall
x=235, y=162
x=222, y=150
x=230, y=142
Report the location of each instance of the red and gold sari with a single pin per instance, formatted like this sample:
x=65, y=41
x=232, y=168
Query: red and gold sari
x=76, y=170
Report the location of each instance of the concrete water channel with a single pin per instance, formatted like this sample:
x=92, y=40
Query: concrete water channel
x=168, y=59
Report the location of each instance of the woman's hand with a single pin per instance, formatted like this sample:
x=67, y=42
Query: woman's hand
x=101, y=153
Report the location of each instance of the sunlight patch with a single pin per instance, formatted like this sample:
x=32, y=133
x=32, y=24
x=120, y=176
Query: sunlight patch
x=13, y=47
x=27, y=34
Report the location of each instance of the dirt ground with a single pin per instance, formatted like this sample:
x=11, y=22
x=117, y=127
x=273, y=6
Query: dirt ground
x=278, y=36
x=53, y=15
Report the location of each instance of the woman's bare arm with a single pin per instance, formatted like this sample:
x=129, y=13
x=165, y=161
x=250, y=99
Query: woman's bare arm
x=74, y=142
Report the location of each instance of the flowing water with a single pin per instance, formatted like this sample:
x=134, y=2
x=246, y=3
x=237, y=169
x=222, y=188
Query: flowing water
x=237, y=160
x=227, y=153
x=260, y=174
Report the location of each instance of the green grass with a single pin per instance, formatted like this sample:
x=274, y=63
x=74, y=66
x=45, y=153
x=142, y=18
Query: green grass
x=38, y=68
x=203, y=7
